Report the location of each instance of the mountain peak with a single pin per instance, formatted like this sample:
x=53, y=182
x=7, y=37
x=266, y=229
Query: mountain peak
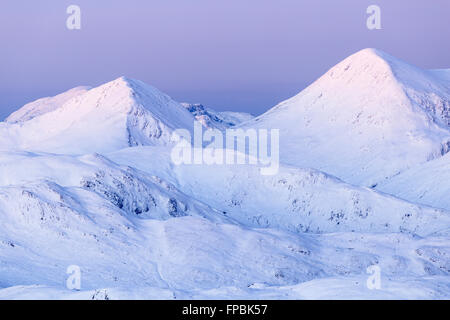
x=373, y=56
x=368, y=65
x=122, y=81
x=370, y=53
x=363, y=118
x=121, y=86
x=121, y=113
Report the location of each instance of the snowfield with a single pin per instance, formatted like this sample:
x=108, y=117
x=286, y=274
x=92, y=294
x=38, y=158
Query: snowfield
x=86, y=179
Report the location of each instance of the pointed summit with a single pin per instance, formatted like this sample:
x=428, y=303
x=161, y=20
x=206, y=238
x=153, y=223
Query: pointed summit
x=118, y=114
x=369, y=117
x=424, y=90
x=370, y=62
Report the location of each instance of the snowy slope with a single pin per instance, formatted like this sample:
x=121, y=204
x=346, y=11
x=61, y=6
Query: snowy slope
x=44, y=105
x=368, y=118
x=213, y=119
x=191, y=257
x=301, y=200
x=90, y=218
x=136, y=234
x=134, y=193
x=428, y=183
x=118, y=114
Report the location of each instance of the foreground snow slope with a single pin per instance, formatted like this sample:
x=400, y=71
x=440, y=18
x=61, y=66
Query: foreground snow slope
x=368, y=118
x=301, y=200
x=118, y=114
x=192, y=258
x=139, y=235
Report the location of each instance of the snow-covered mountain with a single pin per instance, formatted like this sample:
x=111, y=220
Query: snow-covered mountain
x=367, y=119
x=118, y=114
x=86, y=179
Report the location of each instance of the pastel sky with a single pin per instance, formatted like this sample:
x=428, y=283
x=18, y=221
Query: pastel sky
x=240, y=55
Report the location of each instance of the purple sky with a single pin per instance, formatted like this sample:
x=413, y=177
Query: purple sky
x=241, y=55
